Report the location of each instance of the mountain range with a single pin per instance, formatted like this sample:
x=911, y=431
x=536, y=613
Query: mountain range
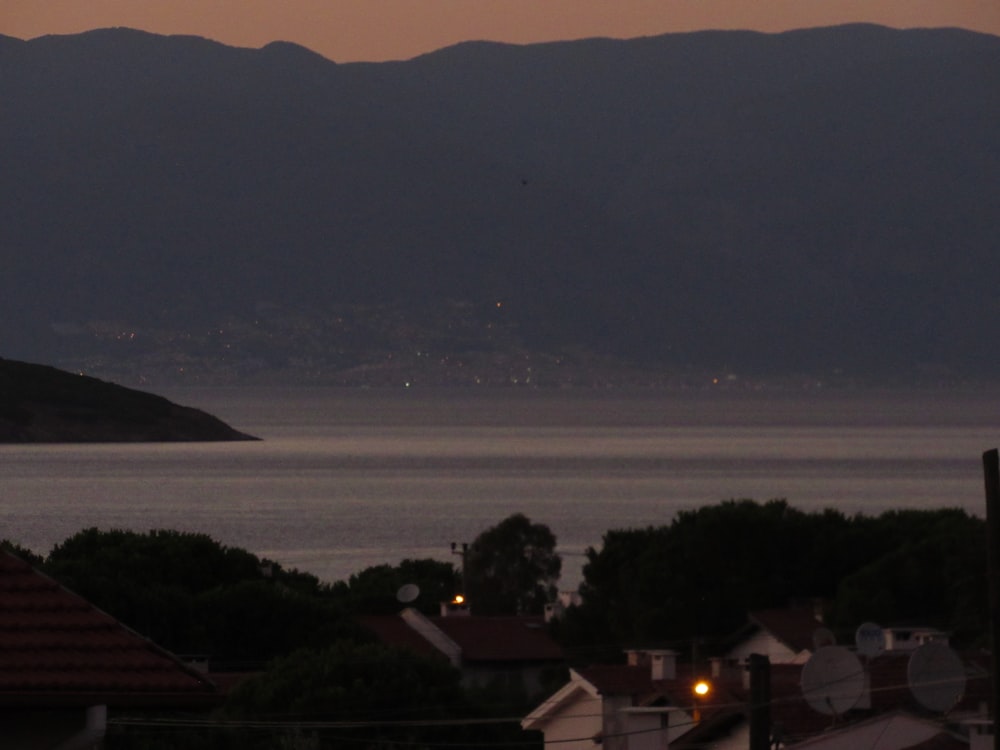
x=817, y=201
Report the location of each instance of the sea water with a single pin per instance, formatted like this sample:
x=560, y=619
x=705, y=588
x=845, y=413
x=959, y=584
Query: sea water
x=344, y=479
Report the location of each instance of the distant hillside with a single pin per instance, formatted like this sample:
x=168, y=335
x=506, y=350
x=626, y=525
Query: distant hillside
x=824, y=200
x=41, y=404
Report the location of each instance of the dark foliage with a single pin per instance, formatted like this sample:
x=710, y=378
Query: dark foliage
x=191, y=594
x=931, y=567
x=701, y=574
x=386, y=693
x=373, y=590
x=30, y=557
x=512, y=568
x=349, y=681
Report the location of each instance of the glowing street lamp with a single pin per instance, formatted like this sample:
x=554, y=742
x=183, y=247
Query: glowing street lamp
x=701, y=689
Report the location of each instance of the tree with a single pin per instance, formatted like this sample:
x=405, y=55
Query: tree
x=387, y=692
x=512, y=568
x=702, y=574
x=373, y=590
x=251, y=621
x=191, y=594
x=932, y=570
x=30, y=557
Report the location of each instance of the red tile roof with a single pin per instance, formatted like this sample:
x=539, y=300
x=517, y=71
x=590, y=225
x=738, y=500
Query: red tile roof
x=392, y=630
x=619, y=679
x=500, y=638
x=481, y=639
x=56, y=649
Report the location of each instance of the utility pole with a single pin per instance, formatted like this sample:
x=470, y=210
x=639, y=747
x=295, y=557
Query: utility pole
x=991, y=475
x=760, y=702
x=464, y=552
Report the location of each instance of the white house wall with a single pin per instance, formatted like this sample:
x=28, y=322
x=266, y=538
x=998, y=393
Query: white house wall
x=646, y=731
x=613, y=726
x=574, y=724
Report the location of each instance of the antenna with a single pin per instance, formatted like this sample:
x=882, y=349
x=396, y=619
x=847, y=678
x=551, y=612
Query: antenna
x=936, y=676
x=407, y=593
x=832, y=680
x=464, y=552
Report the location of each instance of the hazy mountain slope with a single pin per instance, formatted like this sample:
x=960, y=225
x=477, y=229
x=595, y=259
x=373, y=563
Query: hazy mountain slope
x=817, y=199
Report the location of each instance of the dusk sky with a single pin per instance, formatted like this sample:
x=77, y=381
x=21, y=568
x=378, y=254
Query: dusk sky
x=373, y=30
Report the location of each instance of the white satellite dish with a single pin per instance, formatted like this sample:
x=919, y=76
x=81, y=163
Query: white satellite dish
x=833, y=680
x=870, y=639
x=407, y=593
x=936, y=676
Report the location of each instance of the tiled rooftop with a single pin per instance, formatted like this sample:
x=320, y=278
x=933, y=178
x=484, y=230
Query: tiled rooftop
x=392, y=630
x=56, y=649
x=501, y=638
x=620, y=679
x=481, y=639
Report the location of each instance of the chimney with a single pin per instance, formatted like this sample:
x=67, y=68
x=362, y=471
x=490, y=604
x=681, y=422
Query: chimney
x=457, y=607
x=663, y=664
x=716, y=664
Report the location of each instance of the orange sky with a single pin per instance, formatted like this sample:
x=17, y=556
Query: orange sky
x=351, y=30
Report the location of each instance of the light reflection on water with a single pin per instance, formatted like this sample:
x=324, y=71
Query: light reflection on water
x=347, y=479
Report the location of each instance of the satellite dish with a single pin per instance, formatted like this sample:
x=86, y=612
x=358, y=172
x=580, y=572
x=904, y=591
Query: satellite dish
x=407, y=593
x=936, y=676
x=832, y=680
x=870, y=639
x=823, y=637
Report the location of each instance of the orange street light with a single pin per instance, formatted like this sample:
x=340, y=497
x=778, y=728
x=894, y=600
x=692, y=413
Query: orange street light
x=701, y=689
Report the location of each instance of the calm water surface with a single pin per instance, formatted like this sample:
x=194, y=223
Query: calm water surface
x=344, y=479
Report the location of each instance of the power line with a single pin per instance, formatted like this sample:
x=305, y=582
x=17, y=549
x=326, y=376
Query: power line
x=383, y=725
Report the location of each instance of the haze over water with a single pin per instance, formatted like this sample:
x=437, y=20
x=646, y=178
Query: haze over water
x=344, y=479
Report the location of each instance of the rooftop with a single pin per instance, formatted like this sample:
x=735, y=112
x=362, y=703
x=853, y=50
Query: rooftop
x=480, y=639
x=59, y=650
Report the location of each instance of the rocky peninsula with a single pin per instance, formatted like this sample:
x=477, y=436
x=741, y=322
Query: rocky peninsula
x=42, y=404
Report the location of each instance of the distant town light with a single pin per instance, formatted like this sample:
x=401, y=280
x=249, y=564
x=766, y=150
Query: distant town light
x=459, y=599
x=702, y=688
